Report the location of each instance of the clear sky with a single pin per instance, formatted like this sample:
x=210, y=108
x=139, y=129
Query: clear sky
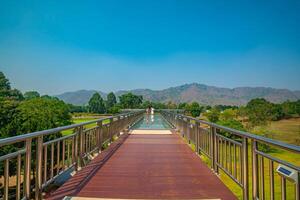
x=56, y=46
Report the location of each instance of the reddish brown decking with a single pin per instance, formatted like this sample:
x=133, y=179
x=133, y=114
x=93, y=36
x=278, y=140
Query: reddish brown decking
x=148, y=166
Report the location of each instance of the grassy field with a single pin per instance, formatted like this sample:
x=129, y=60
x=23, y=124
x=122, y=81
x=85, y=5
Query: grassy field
x=84, y=119
x=287, y=130
x=284, y=130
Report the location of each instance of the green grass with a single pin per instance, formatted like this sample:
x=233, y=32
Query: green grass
x=81, y=120
x=284, y=130
x=287, y=130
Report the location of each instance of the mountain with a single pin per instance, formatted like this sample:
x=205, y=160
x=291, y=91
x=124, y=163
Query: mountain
x=201, y=93
x=80, y=97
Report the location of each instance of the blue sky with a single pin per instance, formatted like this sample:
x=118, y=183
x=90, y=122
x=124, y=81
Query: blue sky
x=55, y=46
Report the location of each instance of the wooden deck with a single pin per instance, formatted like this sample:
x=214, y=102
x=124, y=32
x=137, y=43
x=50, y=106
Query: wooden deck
x=146, y=165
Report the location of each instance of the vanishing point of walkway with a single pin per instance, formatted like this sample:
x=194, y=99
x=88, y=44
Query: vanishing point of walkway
x=147, y=164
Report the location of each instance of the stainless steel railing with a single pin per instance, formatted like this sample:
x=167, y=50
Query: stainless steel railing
x=240, y=156
x=37, y=160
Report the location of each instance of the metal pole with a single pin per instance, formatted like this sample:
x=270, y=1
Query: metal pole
x=38, y=176
x=255, y=186
x=245, y=170
x=27, y=172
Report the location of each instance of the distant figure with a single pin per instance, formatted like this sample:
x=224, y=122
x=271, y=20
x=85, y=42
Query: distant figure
x=152, y=111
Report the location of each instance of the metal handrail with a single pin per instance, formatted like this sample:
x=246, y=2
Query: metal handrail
x=18, y=138
x=54, y=157
x=237, y=159
x=259, y=138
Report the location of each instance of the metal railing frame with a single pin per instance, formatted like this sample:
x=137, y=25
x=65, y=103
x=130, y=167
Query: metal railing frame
x=231, y=155
x=56, y=156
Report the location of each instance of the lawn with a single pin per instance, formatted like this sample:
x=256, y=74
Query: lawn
x=81, y=120
x=287, y=131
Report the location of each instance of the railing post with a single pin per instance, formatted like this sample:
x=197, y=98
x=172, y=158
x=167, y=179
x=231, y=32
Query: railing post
x=99, y=136
x=255, y=186
x=38, y=176
x=76, y=157
x=27, y=172
x=110, y=129
x=81, y=146
x=214, y=149
x=197, y=137
x=245, y=170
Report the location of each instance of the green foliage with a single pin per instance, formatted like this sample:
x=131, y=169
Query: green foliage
x=6, y=92
x=31, y=95
x=224, y=107
x=4, y=82
x=231, y=123
x=213, y=115
x=258, y=111
x=96, y=104
x=40, y=114
x=182, y=106
x=276, y=112
x=228, y=114
x=77, y=109
x=115, y=109
x=111, y=100
x=130, y=100
x=158, y=105
x=291, y=109
x=171, y=105
x=194, y=109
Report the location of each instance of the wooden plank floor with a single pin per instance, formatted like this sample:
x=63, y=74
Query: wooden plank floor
x=153, y=166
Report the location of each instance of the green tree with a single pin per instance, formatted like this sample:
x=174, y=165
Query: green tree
x=31, y=95
x=291, y=109
x=231, y=123
x=6, y=91
x=39, y=114
x=96, y=104
x=228, y=114
x=259, y=112
x=111, y=100
x=182, y=105
x=115, y=109
x=213, y=115
x=130, y=100
x=146, y=104
x=194, y=109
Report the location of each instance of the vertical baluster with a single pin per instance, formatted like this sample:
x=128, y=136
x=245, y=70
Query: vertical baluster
x=230, y=157
x=226, y=154
x=245, y=169
x=45, y=164
x=6, y=178
x=271, y=170
x=255, y=184
x=241, y=164
x=262, y=178
x=68, y=153
x=63, y=154
x=38, y=169
x=27, y=173
x=52, y=160
x=18, y=183
x=234, y=161
x=58, y=158
x=283, y=188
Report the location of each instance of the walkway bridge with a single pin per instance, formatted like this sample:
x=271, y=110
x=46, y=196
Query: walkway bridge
x=136, y=156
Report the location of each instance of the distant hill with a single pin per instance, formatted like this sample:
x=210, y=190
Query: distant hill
x=201, y=93
x=80, y=97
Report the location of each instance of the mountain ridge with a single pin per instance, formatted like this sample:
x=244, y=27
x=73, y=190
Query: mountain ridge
x=204, y=94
